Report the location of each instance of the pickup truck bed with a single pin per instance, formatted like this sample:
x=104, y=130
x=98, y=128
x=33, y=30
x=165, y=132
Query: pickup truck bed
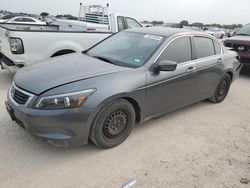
x=24, y=45
x=41, y=43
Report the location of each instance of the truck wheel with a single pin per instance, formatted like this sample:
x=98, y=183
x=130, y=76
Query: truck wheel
x=221, y=89
x=113, y=124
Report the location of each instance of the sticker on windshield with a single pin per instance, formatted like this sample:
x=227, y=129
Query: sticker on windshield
x=153, y=37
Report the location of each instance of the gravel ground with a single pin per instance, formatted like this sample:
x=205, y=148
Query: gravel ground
x=203, y=145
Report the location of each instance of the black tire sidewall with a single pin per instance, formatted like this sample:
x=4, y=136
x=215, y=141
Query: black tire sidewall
x=97, y=128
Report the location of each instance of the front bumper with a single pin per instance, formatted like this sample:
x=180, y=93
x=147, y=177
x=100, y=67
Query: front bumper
x=7, y=63
x=59, y=127
x=245, y=58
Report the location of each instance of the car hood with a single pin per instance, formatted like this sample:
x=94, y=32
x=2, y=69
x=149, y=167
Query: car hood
x=62, y=70
x=239, y=39
x=210, y=32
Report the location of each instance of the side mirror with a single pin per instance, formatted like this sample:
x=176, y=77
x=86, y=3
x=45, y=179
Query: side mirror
x=166, y=65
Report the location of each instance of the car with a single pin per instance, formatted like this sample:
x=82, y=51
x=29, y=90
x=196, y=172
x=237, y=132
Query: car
x=130, y=77
x=216, y=32
x=233, y=32
x=241, y=44
x=8, y=16
x=25, y=20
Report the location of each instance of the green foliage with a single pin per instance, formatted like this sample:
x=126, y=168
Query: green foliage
x=184, y=23
x=157, y=22
x=67, y=16
x=44, y=14
x=197, y=24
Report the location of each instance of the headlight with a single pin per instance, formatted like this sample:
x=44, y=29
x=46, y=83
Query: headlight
x=64, y=101
x=16, y=46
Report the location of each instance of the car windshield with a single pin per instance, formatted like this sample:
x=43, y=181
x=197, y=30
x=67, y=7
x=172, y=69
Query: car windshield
x=244, y=30
x=127, y=49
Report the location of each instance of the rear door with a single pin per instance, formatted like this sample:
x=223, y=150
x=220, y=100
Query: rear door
x=208, y=53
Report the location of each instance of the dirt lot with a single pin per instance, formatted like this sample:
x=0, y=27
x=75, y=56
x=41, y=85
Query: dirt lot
x=203, y=145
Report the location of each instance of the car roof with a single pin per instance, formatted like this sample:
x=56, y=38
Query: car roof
x=165, y=31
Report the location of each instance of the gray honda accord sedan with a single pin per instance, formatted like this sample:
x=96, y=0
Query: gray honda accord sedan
x=130, y=77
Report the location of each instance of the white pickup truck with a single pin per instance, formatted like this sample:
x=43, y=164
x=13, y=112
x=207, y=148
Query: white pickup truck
x=22, y=44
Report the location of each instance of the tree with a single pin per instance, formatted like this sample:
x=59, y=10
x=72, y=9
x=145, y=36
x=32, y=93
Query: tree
x=44, y=14
x=67, y=16
x=184, y=23
x=198, y=24
x=156, y=23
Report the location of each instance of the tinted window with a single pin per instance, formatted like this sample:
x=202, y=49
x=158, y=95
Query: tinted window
x=29, y=20
x=204, y=47
x=120, y=23
x=132, y=23
x=178, y=51
x=217, y=47
x=19, y=20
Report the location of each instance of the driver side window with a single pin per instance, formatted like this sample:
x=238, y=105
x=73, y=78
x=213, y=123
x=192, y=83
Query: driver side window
x=179, y=51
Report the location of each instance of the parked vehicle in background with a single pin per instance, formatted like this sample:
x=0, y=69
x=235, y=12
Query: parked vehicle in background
x=193, y=28
x=76, y=25
x=130, y=77
x=241, y=44
x=25, y=20
x=25, y=44
x=233, y=32
x=216, y=32
x=8, y=16
x=172, y=25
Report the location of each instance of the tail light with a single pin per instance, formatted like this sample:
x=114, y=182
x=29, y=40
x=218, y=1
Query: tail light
x=16, y=46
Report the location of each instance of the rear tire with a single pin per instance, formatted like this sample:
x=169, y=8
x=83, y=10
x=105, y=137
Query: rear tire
x=113, y=124
x=221, y=89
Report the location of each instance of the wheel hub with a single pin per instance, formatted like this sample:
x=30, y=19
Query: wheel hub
x=115, y=124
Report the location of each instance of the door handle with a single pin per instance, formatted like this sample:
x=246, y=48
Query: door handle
x=219, y=60
x=190, y=69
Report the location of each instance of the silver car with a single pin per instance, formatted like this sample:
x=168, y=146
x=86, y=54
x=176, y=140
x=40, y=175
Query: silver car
x=128, y=78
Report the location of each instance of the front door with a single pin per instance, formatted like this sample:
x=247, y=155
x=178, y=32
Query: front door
x=169, y=90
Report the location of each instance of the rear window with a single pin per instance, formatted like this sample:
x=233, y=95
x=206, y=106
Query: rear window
x=132, y=23
x=120, y=23
x=204, y=47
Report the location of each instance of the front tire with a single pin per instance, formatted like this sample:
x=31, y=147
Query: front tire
x=113, y=124
x=221, y=89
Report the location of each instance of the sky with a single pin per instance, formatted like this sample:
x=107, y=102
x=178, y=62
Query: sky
x=205, y=11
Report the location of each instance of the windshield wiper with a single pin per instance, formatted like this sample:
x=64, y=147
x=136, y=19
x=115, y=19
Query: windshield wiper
x=105, y=59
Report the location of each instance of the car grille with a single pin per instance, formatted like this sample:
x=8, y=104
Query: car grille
x=237, y=47
x=18, y=96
